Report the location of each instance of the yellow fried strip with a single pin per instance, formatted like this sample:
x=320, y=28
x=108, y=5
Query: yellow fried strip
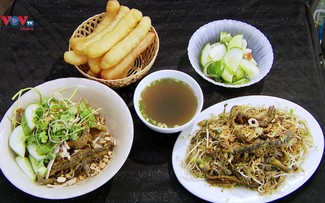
x=79, y=44
x=91, y=73
x=122, y=12
x=122, y=29
x=72, y=58
x=112, y=8
x=122, y=68
x=94, y=64
x=121, y=49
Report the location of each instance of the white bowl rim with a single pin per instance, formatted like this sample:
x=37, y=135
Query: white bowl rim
x=148, y=79
x=241, y=24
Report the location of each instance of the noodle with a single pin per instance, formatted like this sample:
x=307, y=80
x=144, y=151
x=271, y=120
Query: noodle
x=255, y=147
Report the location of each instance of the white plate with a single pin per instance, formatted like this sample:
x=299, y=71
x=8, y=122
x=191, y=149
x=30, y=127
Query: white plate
x=118, y=120
x=203, y=190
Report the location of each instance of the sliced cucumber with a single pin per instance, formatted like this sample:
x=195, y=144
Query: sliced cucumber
x=217, y=51
x=223, y=60
x=244, y=44
x=34, y=163
x=225, y=37
x=26, y=167
x=240, y=74
x=30, y=115
x=17, y=141
x=214, y=69
x=236, y=41
x=250, y=69
x=38, y=166
x=233, y=58
x=241, y=81
x=32, y=149
x=227, y=76
x=253, y=61
x=205, y=58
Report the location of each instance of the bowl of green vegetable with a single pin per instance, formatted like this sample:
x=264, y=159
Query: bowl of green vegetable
x=64, y=138
x=230, y=53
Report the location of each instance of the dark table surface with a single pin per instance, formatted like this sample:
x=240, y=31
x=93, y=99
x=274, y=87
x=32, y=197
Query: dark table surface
x=31, y=57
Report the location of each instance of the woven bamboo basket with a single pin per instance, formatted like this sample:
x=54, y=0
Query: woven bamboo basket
x=140, y=67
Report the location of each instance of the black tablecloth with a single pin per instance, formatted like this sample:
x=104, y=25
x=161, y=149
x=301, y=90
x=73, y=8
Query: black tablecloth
x=31, y=57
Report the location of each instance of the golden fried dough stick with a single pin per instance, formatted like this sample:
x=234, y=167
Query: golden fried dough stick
x=122, y=29
x=72, y=58
x=89, y=72
x=112, y=9
x=121, y=49
x=122, y=68
x=94, y=64
x=122, y=12
x=75, y=43
x=78, y=44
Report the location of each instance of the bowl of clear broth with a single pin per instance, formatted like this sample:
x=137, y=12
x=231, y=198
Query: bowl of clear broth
x=168, y=101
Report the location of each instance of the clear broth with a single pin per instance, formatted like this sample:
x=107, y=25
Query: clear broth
x=168, y=103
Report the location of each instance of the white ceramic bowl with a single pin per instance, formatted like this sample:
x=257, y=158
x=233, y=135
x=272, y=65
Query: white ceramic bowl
x=118, y=121
x=209, y=33
x=168, y=74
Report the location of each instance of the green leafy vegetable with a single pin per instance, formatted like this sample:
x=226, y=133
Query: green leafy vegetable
x=56, y=119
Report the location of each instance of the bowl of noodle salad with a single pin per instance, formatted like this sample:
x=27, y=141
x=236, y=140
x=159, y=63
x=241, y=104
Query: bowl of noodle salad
x=248, y=149
x=64, y=138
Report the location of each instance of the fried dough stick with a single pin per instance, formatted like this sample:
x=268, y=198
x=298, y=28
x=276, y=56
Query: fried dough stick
x=122, y=68
x=112, y=10
x=122, y=29
x=121, y=49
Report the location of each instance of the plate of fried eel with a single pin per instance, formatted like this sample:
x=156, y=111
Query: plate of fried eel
x=248, y=149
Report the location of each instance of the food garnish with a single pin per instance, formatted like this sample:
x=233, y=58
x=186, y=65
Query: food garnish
x=254, y=147
x=229, y=60
x=59, y=142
